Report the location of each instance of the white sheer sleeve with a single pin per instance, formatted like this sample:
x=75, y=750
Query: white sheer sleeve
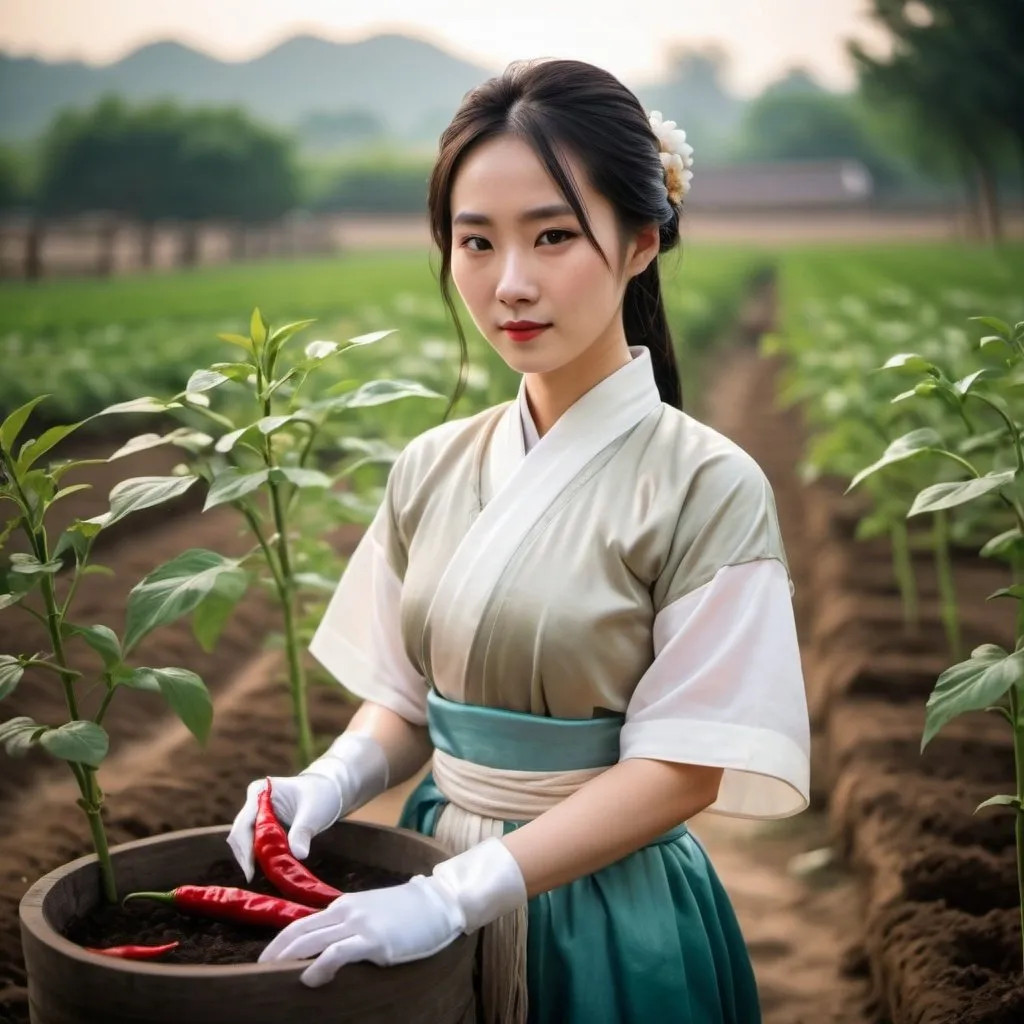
x=359, y=639
x=726, y=689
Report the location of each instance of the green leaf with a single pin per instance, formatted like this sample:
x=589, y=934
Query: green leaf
x=230, y=485
x=142, y=492
x=184, y=691
x=235, y=371
x=14, y=586
x=300, y=477
x=996, y=347
x=174, y=589
x=282, y=334
x=257, y=327
x=914, y=443
x=64, y=492
x=13, y=424
x=368, y=339
x=316, y=351
x=268, y=424
x=238, y=339
x=972, y=685
x=908, y=362
x=1006, y=545
x=34, y=450
x=205, y=380
x=146, y=404
x=137, y=444
x=11, y=671
x=29, y=565
x=1000, y=801
x=964, y=385
x=95, y=569
x=315, y=581
x=1017, y=591
x=375, y=392
x=103, y=640
x=994, y=324
x=18, y=734
x=80, y=741
x=213, y=612
x=949, y=495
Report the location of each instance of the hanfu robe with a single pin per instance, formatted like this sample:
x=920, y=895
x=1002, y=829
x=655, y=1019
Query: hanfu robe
x=615, y=589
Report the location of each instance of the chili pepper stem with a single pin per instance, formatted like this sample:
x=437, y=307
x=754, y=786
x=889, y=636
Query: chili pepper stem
x=162, y=897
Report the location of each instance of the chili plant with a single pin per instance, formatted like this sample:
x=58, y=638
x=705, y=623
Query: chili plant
x=275, y=455
x=42, y=582
x=991, y=679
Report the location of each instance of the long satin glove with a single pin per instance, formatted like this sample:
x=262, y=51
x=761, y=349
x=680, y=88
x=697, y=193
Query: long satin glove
x=352, y=772
x=405, y=922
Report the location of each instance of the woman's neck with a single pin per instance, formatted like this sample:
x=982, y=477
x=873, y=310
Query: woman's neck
x=549, y=395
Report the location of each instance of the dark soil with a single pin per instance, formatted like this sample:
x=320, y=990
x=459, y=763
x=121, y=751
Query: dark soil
x=206, y=941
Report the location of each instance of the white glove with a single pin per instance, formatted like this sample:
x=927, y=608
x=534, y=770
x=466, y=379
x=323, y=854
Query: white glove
x=352, y=772
x=405, y=922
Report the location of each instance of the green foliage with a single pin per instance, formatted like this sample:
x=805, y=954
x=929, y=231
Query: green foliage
x=29, y=585
x=161, y=161
x=923, y=415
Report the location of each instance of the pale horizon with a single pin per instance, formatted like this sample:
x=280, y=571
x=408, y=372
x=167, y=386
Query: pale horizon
x=763, y=41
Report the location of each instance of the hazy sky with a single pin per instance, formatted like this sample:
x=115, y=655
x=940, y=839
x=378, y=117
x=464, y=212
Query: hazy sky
x=628, y=37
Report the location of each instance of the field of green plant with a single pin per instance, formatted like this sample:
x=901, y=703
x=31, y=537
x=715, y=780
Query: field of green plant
x=859, y=328
x=92, y=343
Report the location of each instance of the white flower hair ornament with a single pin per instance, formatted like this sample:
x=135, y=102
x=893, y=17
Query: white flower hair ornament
x=676, y=156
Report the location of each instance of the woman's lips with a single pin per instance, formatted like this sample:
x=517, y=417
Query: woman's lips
x=522, y=334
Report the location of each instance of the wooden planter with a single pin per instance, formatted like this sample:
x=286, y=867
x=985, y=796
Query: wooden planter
x=67, y=985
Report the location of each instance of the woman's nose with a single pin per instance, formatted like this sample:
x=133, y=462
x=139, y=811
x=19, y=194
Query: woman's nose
x=516, y=283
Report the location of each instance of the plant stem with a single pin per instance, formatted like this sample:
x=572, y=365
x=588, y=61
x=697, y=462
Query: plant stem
x=1018, y=753
x=903, y=569
x=91, y=801
x=947, y=586
x=99, y=835
x=286, y=592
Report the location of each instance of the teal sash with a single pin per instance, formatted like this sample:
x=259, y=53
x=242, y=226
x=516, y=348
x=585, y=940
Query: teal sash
x=526, y=743
x=652, y=937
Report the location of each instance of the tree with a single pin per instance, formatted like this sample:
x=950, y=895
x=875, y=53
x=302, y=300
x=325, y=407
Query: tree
x=955, y=66
x=787, y=123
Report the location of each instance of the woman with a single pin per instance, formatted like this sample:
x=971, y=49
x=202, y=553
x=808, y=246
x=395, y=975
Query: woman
x=577, y=603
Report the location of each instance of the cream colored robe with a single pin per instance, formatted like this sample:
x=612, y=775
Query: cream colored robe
x=630, y=562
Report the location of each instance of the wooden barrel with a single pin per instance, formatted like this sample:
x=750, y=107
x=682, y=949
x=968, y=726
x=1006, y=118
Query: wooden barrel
x=67, y=985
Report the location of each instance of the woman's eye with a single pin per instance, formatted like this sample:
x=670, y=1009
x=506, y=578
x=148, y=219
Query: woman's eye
x=474, y=243
x=555, y=235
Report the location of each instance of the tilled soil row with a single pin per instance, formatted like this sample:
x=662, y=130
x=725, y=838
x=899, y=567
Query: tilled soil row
x=941, y=912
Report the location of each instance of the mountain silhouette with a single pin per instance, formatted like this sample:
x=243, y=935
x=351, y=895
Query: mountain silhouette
x=411, y=85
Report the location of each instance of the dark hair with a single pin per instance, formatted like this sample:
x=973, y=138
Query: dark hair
x=567, y=106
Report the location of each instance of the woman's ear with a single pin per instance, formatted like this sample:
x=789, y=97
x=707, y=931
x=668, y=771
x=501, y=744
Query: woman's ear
x=643, y=250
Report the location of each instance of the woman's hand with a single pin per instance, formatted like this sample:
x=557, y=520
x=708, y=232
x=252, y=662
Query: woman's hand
x=405, y=922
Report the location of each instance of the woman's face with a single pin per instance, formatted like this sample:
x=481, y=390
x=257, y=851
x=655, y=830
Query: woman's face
x=519, y=257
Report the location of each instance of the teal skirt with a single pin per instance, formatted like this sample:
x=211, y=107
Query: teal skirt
x=651, y=939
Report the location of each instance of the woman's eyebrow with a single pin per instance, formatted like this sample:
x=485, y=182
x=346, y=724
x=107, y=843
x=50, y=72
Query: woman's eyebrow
x=537, y=213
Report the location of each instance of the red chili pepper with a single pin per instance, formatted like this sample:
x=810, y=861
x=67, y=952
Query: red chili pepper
x=134, y=952
x=227, y=903
x=290, y=876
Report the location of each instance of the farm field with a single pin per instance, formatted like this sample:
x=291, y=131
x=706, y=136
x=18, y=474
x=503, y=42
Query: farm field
x=916, y=920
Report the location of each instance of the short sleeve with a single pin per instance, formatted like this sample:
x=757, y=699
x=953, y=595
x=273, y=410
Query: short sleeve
x=726, y=689
x=728, y=517
x=359, y=639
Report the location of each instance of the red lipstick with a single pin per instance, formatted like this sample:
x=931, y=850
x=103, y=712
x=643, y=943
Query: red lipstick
x=523, y=330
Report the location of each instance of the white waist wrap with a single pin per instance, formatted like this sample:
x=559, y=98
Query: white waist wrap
x=501, y=793
x=480, y=800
